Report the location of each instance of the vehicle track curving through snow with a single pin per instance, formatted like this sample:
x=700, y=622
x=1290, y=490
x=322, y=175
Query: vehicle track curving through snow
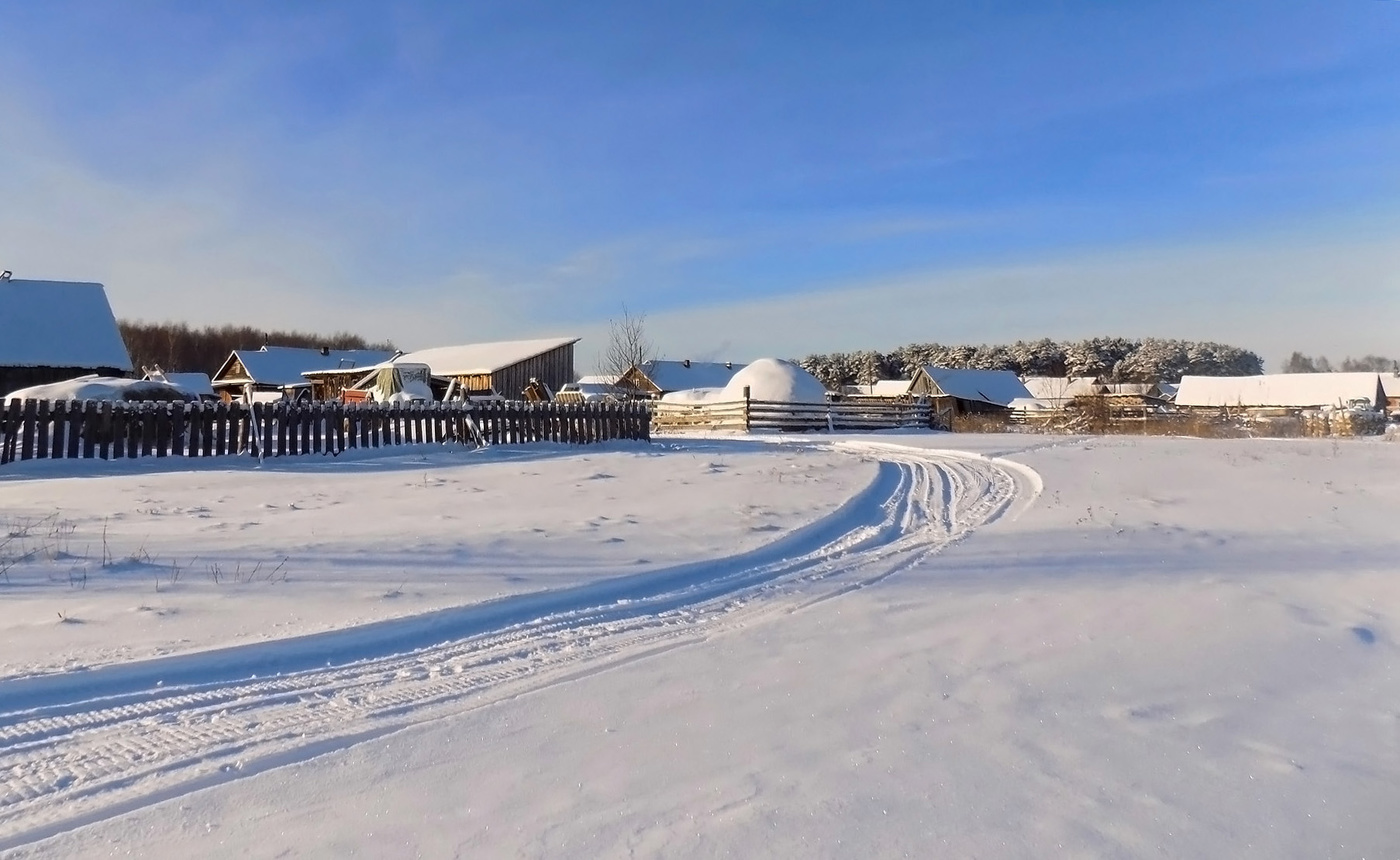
x=82, y=746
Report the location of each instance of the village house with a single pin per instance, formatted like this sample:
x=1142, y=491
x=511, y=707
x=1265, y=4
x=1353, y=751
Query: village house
x=51, y=331
x=660, y=377
x=965, y=391
x=504, y=367
x=274, y=372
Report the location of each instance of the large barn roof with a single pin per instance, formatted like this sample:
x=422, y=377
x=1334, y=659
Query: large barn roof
x=998, y=387
x=481, y=358
x=1293, y=390
x=283, y=365
x=59, y=324
x=670, y=375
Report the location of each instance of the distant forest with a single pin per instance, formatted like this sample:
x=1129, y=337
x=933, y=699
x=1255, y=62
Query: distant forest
x=1299, y=363
x=178, y=347
x=1114, y=359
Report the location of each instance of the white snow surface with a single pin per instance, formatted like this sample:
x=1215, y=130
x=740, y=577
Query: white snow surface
x=94, y=387
x=992, y=646
x=1295, y=390
x=476, y=358
x=999, y=387
x=59, y=324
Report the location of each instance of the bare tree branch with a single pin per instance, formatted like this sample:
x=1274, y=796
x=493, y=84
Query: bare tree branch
x=628, y=344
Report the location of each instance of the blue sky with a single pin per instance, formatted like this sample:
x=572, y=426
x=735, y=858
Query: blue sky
x=758, y=178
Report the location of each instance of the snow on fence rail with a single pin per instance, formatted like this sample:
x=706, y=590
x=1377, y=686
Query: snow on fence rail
x=38, y=429
x=741, y=416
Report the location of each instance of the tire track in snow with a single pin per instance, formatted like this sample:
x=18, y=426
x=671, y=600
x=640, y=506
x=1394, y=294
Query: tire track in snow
x=79, y=747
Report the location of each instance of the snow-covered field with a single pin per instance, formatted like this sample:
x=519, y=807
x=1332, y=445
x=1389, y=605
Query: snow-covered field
x=1027, y=647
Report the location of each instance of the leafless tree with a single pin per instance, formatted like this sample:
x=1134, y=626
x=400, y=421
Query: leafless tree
x=628, y=344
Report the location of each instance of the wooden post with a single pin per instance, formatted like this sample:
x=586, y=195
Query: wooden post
x=42, y=425
x=117, y=429
x=747, y=423
x=60, y=426
x=164, y=421
x=221, y=428
x=148, y=429
x=179, y=420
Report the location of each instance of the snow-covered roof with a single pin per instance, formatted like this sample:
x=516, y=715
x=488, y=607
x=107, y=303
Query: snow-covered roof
x=670, y=375
x=59, y=324
x=284, y=365
x=880, y=388
x=1034, y=404
x=998, y=387
x=608, y=379
x=1168, y=389
x=1137, y=389
x=1391, y=383
x=480, y=358
x=194, y=383
x=1061, y=387
x=1295, y=390
x=94, y=387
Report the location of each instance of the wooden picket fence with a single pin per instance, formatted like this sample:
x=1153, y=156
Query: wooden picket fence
x=741, y=416
x=39, y=429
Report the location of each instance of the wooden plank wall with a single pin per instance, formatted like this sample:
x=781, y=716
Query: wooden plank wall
x=34, y=429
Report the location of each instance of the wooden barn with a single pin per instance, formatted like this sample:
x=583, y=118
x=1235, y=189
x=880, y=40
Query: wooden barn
x=505, y=367
x=274, y=372
x=959, y=391
x=1280, y=391
x=56, y=330
x=661, y=376
x=1390, y=383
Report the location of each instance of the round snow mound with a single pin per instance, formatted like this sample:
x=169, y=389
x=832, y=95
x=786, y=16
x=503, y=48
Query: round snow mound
x=775, y=380
x=694, y=395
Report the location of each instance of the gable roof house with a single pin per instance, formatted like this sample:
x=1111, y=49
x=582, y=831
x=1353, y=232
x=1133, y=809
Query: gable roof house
x=504, y=367
x=271, y=372
x=661, y=376
x=1281, y=391
x=51, y=331
x=1390, y=382
x=1056, y=391
x=959, y=391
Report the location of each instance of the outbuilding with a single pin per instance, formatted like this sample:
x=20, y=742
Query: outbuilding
x=503, y=367
x=51, y=331
x=274, y=372
x=1281, y=391
x=967, y=391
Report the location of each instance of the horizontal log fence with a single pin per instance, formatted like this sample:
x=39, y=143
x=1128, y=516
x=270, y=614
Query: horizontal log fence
x=39, y=429
x=741, y=416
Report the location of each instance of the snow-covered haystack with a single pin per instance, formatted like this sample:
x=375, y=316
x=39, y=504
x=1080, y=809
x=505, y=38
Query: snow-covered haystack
x=93, y=387
x=777, y=381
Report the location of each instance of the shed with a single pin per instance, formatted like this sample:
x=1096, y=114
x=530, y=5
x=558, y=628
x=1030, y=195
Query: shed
x=52, y=331
x=1058, y=390
x=1280, y=391
x=662, y=376
x=506, y=367
x=888, y=389
x=270, y=372
x=963, y=391
x=1390, y=383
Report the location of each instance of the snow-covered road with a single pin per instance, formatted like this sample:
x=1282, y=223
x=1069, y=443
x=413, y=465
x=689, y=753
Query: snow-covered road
x=78, y=747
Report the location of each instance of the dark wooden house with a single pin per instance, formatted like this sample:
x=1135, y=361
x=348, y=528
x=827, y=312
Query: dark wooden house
x=56, y=330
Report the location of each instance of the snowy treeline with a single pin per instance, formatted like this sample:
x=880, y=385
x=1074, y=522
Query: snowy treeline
x=1299, y=363
x=1114, y=359
x=178, y=347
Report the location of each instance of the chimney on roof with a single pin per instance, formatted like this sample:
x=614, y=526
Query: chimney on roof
x=685, y=362
x=325, y=350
